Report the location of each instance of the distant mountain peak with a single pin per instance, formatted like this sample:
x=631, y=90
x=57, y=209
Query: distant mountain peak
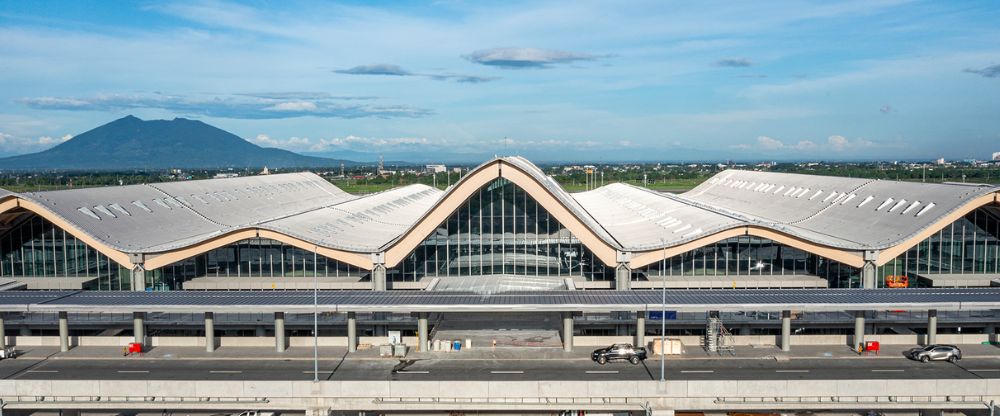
x=133, y=143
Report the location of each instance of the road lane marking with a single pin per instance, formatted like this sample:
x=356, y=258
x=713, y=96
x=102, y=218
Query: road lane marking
x=791, y=371
x=133, y=371
x=321, y=372
x=985, y=369
x=602, y=371
x=225, y=372
x=887, y=371
x=507, y=372
x=697, y=371
x=413, y=372
x=43, y=371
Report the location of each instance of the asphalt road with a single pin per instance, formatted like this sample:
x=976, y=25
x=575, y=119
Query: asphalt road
x=486, y=369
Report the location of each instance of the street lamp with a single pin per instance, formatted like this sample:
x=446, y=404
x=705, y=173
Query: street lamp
x=315, y=319
x=663, y=316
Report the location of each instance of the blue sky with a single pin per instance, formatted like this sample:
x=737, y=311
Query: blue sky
x=551, y=80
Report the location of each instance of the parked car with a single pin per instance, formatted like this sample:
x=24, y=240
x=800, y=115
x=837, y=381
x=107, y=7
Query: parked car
x=936, y=352
x=619, y=352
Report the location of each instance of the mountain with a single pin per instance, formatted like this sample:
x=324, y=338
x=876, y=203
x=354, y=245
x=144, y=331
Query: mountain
x=131, y=143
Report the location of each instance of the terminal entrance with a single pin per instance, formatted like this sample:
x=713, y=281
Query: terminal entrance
x=507, y=329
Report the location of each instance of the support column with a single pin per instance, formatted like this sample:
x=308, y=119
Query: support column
x=932, y=326
x=63, y=332
x=422, y=344
x=567, y=331
x=279, y=331
x=859, y=329
x=868, y=280
x=210, y=331
x=640, y=329
x=378, y=272
x=139, y=327
x=352, y=332
x=138, y=279
x=786, y=331
x=623, y=277
x=3, y=333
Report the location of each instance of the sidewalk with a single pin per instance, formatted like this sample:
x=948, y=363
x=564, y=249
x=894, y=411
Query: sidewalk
x=804, y=352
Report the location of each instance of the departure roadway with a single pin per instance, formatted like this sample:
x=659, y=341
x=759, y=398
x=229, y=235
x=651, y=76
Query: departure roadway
x=178, y=363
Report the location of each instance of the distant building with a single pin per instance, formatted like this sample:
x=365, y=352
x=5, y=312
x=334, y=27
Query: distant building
x=996, y=156
x=939, y=161
x=432, y=169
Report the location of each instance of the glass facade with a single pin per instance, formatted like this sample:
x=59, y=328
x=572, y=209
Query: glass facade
x=751, y=256
x=970, y=245
x=501, y=230
x=34, y=247
x=253, y=257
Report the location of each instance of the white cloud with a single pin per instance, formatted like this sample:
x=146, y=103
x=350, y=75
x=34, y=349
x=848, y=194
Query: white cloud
x=293, y=106
x=14, y=144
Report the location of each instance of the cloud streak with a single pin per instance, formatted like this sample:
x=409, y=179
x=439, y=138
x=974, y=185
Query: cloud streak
x=397, y=71
x=992, y=71
x=520, y=58
x=836, y=143
x=234, y=106
x=734, y=63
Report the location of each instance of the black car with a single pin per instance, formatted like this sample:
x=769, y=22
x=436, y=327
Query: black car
x=619, y=352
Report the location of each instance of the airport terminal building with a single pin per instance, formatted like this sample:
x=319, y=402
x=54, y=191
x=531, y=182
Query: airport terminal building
x=504, y=226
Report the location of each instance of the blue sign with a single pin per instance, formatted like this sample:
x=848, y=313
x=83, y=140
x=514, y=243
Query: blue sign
x=659, y=315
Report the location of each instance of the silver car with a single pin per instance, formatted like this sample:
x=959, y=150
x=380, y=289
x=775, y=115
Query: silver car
x=936, y=352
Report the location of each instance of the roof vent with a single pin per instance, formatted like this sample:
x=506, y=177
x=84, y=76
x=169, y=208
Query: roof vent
x=832, y=194
x=141, y=205
x=898, y=204
x=910, y=208
x=868, y=199
x=925, y=209
x=160, y=202
x=849, y=198
x=884, y=204
x=818, y=193
x=803, y=192
x=119, y=208
x=779, y=189
x=86, y=211
x=104, y=210
x=791, y=191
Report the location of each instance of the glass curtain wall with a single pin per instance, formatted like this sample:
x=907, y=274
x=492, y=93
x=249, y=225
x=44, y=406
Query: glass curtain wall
x=256, y=257
x=970, y=245
x=501, y=230
x=34, y=247
x=751, y=256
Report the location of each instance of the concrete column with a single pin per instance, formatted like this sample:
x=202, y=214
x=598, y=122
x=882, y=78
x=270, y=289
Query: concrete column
x=63, y=332
x=868, y=280
x=210, y=331
x=623, y=277
x=3, y=333
x=640, y=329
x=352, y=332
x=859, y=329
x=139, y=327
x=422, y=344
x=786, y=331
x=138, y=279
x=279, y=331
x=567, y=331
x=378, y=277
x=932, y=326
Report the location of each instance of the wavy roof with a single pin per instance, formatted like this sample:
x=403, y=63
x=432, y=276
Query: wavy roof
x=838, y=215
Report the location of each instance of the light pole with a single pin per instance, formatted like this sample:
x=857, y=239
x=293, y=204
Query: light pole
x=315, y=319
x=663, y=317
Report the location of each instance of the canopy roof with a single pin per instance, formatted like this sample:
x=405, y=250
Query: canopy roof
x=837, y=214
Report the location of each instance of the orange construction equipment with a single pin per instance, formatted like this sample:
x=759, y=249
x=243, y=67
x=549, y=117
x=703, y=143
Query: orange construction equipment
x=897, y=282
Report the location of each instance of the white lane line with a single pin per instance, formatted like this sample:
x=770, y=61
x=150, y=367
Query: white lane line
x=320, y=371
x=133, y=371
x=602, y=371
x=413, y=372
x=887, y=371
x=985, y=369
x=791, y=371
x=507, y=372
x=225, y=372
x=43, y=371
x=697, y=371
